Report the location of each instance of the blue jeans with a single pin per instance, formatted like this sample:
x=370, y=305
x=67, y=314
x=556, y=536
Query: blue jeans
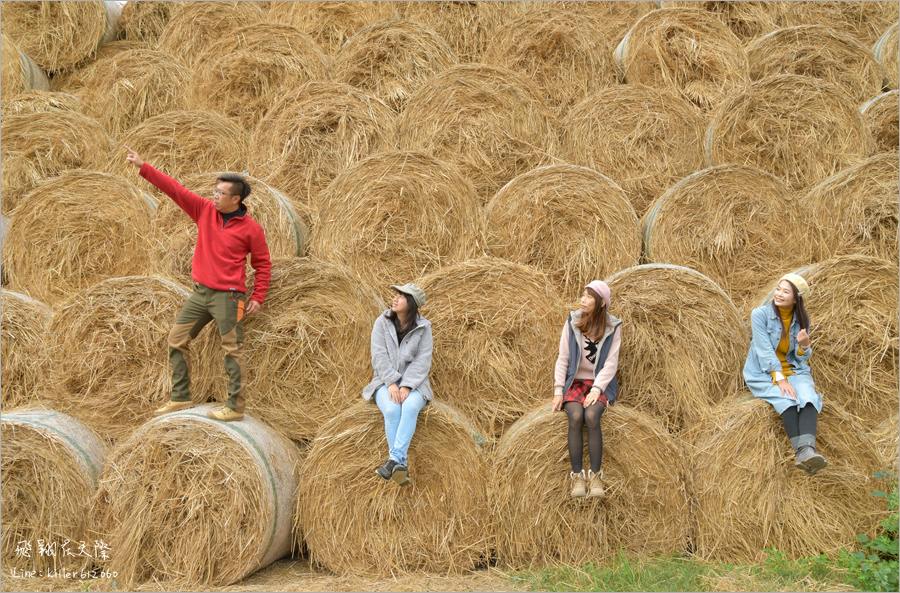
x=399, y=420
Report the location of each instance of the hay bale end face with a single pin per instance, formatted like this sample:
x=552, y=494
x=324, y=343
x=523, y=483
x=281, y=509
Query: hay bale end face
x=72, y=80
x=354, y=522
x=747, y=20
x=611, y=19
x=197, y=502
x=331, y=24
x=195, y=26
x=888, y=56
x=882, y=114
x=865, y=21
x=144, y=20
x=23, y=325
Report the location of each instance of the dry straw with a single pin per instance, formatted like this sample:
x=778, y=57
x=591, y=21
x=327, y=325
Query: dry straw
x=395, y=216
x=18, y=72
x=887, y=437
x=642, y=138
x=611, y=20
x=819, y=52
x=72, y=80
x=683, y=342
x=331, y=24
x=488, y=121
x=881, y=115
x=37, y=146
x=888, y=56
x=748, y=496
x=50, y=467
x=801, y=129
x=23, y=325
x=243, y=74
x=197, y=503
x=392, y=59
x=647, y=506
x=195, y=26
x=747, y=20
x=145, y=20
x=865, y=21
x=856, y=211
x=496, y=326
x=437, y=524
x=34, y=101
x=316, y=132
x=735, y=224
x=688, y=50
x=570, y=222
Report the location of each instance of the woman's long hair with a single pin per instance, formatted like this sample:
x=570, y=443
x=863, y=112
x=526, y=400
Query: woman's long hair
x=594, y=324
x=799, y=310
x=412, y=313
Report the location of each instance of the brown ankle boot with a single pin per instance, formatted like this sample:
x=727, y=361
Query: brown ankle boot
x=579, y=485
x=596, y=485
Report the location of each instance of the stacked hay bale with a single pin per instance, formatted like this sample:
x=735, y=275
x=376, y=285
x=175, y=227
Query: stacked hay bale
x=18, y=72
x=882, y=114
x=33, y=101
x=688, y=50
x=315, y=133
x=748, y=496
x=642, y=138
x=888, y=56
x=818, y=52
x=570, y=222
x=684, y=345
x=437, y=524
x=72, y=80
x=144, y=20
x=197, y=502
x=488, y=121
x=865, y=21
x=395, y=216
x=195, y=26
x=244, y=72
x=23, y=325
x=801, y=129
x=331, y=24
x=646, y=509
x=735, y=224
x=50, y=468
x=613, y=18
x=746, y=19
x=392, y=59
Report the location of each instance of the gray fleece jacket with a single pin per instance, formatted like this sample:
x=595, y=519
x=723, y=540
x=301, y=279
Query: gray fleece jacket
x=410, y=360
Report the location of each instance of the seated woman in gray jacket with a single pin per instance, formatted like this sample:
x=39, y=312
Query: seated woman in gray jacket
x=401, y=357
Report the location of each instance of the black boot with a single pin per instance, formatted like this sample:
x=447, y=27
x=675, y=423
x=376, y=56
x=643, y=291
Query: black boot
x=387, y=469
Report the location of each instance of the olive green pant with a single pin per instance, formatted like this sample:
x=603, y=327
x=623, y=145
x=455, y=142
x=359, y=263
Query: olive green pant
x=203, y=306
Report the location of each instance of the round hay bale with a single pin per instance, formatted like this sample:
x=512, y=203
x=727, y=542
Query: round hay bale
x=646, y=510
x=818, y=52
x=688, y=50
x=611, y=20
x=74, y=230
x=243, y=74
x=38, y=146
x=35, y=101
x=182, y=143
x=735, y=224
x=397, y=215
x=747, y=20
x=60, y=34
x=72, y=79
x=316, y=132
x=495, y=325
x=331, y=24
x=887, y=53
x=488, y=121
x=856, y=211
x=881, y=115
x=801, y=129
x=644, y=139
x=18, y=72
x=144, y=20
x=437, y=524
x=569, y=222
x=195, y=26
x=197, y=502
x=23, y=325
x=391, y=59
x=865, y=21
x=50, y=467
x=684, y=342
x=748, y=496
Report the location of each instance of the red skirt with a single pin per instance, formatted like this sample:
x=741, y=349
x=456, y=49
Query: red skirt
x=578, y=391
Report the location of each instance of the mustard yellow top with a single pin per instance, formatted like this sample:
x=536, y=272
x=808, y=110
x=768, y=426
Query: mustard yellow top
x=787, y=316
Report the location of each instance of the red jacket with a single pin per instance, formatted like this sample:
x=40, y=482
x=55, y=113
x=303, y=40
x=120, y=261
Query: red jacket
x=221, y=253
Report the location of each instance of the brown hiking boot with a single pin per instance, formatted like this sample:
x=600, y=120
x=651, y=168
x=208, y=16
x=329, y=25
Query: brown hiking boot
x=579, y=486
x=225, y=414
x=173, y=406
x=596, y=485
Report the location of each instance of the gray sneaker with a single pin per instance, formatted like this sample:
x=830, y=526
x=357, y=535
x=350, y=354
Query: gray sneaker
x=386, y=470
x=401, y=475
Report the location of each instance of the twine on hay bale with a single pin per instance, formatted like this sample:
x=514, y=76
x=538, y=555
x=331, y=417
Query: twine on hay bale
x=331, y=24
x=644, y=139
x=316, y=132
x=391, y=59
x=437, y=524
x=646, y=509
x=610, y=19
x=818, y=52
x=195, y=26
x=735, y=224
x=58, y=35
x=397, y=215
x=23, y=325
x=18, y=72
x=35, y=101
x=38, y=146
x=747, y=20
x=688, y=50
x=683, y=342
x=748, y=496
x=887, y=53
x=144, y=20
x=881, y=115
x=51, y=464
x=801, y=129
x=570, y=222
x=495, y=327
x=856, y=210
x=197, y=502
x=863, y=20
x=243, y=74
x=488, y=121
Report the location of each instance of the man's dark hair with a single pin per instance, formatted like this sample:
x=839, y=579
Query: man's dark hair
x=238, y=182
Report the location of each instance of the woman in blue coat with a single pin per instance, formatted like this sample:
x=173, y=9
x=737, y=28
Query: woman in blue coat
x=777, y=368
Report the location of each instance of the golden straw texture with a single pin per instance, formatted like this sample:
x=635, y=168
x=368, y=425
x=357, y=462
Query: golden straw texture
x=611, y=20
x=746, y=19
x=23, y=326
x=865, y=21
x=331, y=24
x=888, y=55
x=195, y=26
x=881, y=115
x=33, y=101
x=144, y=20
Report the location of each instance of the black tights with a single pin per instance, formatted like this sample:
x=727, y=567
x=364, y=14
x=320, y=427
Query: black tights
x=578, y=415
x=803, y=422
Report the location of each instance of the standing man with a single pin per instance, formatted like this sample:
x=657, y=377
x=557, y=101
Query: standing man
x=225, y=235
